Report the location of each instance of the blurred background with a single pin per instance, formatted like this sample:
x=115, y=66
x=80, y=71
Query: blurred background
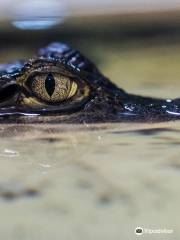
x=138, y=35
x=134, y=42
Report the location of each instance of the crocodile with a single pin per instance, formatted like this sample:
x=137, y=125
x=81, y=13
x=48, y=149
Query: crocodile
x=60, y=85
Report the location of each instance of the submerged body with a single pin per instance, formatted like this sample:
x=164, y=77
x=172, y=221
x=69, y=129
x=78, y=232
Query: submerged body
x=59, y=85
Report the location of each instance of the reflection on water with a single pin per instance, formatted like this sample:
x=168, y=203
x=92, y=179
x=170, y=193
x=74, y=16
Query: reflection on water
x=105, y=182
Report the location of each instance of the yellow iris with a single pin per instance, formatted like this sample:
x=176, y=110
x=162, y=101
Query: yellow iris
x=53, y=87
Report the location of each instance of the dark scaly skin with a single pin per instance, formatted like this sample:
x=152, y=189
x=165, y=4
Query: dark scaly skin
x=107, y=103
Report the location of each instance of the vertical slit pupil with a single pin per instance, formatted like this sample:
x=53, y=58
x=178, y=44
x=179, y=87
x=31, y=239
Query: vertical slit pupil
x=50, y=84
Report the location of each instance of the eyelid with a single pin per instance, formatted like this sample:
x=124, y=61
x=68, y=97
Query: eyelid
x=73, y=103
x=40, y=65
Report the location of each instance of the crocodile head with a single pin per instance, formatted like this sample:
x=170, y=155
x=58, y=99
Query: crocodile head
x=60, y=85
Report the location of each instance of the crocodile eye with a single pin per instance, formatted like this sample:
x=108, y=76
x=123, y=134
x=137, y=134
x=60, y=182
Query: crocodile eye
x=52, y=87
x=47, y=87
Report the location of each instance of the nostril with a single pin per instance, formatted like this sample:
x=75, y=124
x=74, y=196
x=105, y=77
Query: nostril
x=8, y=91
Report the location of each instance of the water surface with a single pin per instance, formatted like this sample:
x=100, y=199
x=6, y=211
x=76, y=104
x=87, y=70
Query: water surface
x=96, y=181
